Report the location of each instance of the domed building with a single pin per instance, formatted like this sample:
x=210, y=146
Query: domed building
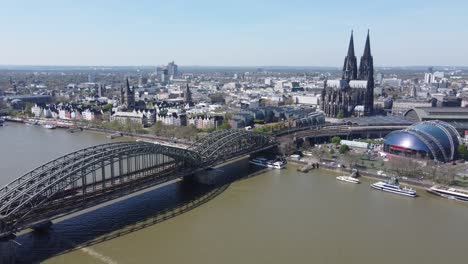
x=435, y=140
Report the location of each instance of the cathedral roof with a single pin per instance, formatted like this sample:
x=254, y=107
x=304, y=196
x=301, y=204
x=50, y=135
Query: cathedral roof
x=358, y=84
x=337, y=84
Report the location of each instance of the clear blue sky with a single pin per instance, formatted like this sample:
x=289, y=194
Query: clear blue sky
x=231, y=33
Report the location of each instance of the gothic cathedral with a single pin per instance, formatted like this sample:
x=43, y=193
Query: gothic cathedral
x=353, y=94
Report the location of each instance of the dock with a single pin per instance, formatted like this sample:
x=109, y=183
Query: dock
x=306, y=168
x=115, y=135
x=75, y=129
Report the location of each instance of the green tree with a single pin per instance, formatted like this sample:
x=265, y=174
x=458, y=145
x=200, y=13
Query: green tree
x=340, y=114
x=107, y=107
x=27, y=109
x=462, y=151
x=344, y=149
x=336, y=140
x=259, y=121
x=225, y=125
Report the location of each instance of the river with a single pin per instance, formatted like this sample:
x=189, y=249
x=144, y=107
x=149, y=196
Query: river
x=269, y=216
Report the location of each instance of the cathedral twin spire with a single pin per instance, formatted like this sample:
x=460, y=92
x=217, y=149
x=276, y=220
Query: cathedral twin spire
x=366, y=66
x=350, y=64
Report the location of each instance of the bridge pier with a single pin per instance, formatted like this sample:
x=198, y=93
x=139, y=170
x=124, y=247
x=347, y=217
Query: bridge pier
x=7, y=250
x=42, y=227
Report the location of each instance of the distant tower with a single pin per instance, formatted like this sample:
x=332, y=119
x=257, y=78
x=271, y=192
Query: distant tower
x=366, y=73
x=165, y=76
x=127, y=96
x=91, y=78
x=187, y=95
x=101, y=90
x=414, y=91
x=350, y=63
x=173, y=70
x=13, y=84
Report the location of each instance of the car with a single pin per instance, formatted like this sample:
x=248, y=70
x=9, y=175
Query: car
x=381, y=173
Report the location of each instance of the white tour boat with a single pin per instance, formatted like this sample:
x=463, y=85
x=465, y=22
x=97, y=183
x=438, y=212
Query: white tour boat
x=277, y=164
x=449, y=192
x=393, y=186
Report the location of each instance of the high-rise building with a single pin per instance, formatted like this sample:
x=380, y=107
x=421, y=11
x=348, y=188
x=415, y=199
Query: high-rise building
x=356, y=87
x=91, y=77
x=165, y=76
x=172, y=69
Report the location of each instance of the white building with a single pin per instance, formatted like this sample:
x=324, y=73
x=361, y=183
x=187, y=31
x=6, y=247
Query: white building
x=36, y=110
x=124, y=117
x=307, y=99
x=90, y=115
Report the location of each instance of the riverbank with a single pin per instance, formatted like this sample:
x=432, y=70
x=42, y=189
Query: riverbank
x=68, y=126
x=413, y=183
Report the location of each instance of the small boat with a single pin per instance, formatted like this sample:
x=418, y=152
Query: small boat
x=30, y=123
x=49, y=126
x=2, y=121
x=276, y=164
x=348, y=179
x=449, y=192
x=393, y=186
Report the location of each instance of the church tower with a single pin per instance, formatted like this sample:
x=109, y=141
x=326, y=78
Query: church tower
x=366, y=73
x=187, y=95
x=130, y=95
x=127, y=96
x=350, y=63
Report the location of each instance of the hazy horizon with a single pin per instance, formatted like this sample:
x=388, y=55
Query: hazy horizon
x=208, y=33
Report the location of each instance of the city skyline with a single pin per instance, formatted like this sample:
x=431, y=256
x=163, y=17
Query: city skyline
x=207, y=33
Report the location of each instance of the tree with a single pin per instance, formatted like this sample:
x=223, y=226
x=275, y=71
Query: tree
x=462, y=151
x=344, y=149
x=107, y=107
x=27, y=109
x=336, y=140
x=225, y=125
x=340, y=114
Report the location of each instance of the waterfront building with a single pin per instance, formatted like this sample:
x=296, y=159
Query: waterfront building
x=135, y=117
x=435, y=140
x=356, y=87
x=37, y=110
x=91, y=115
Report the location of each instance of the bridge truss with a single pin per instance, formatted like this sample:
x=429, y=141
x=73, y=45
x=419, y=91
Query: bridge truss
x=97, y=174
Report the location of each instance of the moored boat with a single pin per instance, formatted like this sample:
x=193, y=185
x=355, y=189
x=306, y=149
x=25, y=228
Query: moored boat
x=49, y=126
x=449, y=192
x=393, y=186
x=277, y=164
x=348, y=179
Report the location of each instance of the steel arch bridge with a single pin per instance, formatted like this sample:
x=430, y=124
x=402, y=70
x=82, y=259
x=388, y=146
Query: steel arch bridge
x=97, y=174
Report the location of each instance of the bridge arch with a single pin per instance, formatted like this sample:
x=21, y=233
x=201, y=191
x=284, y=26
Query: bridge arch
x=96, y=168
x=96, y=174
x=225, y=144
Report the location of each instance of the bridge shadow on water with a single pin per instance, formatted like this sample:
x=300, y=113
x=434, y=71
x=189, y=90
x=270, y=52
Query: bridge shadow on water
x=127, y=216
